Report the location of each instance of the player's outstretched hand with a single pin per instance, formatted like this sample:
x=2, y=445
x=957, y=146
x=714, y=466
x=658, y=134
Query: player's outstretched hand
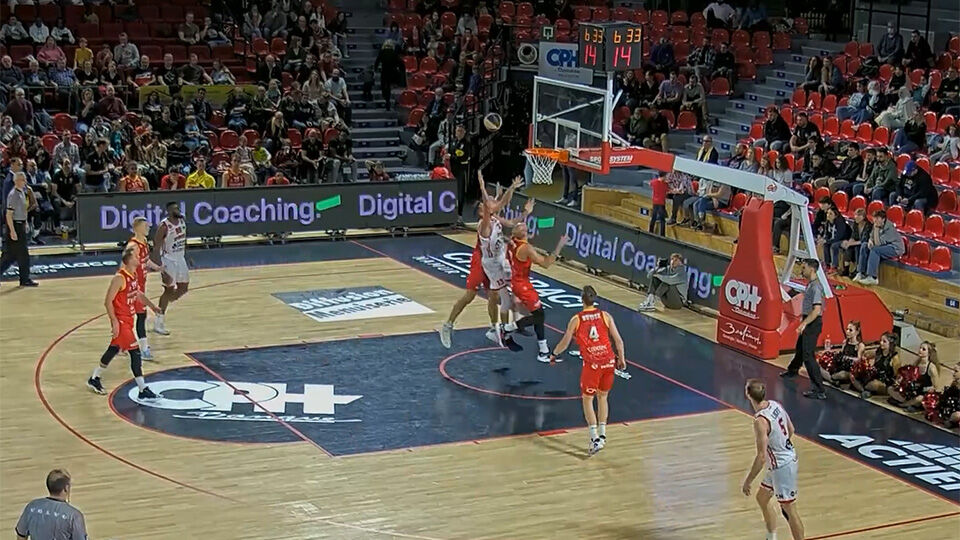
x=517, y=182
x=745, y=488
x=528, y=208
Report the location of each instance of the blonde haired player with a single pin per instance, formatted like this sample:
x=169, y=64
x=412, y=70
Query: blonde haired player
x=593, y=328
x=773, y=430
x=138, y=244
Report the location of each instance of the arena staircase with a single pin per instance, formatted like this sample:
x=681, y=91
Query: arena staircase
x=375, y=130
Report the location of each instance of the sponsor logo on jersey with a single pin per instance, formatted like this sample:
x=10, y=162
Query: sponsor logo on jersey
x=328, y=305
x=934, y=465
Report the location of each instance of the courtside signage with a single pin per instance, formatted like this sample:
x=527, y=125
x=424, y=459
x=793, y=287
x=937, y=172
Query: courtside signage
x=108, y=217
x=620, y=250
x=329, y=305
x=934, y=465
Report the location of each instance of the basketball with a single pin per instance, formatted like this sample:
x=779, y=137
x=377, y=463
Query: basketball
x=492, y=121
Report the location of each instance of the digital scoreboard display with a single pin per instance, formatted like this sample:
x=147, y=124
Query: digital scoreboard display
x=611, y=46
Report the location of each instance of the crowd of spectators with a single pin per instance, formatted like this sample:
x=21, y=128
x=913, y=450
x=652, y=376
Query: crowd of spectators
x=75, y=124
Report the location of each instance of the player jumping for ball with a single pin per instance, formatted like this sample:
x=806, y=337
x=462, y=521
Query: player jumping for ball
x=773, y=430
x=486, y=253
x=138, y=243
x=122, y=297
x=169, y=247
x=522, y=257
x=593, y=328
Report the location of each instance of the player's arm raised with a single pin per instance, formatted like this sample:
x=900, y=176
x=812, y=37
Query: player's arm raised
x=567, y=337
x=544, y=260
x=527, y=210
x=760, y=427
x=115, y=285
x=508, y=195
x=617, y=341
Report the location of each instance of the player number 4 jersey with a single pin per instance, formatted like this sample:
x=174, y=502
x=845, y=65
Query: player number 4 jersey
x=780, y=449
x=593, y=338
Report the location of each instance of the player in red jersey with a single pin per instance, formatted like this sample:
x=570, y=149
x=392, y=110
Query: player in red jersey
x=593, y=328
x=235, y=175
x=138, y=243
x=522, y=257
x=487, y=210
x=122, y=296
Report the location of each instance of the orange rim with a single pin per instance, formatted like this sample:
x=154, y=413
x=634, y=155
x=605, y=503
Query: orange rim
x=558, y=155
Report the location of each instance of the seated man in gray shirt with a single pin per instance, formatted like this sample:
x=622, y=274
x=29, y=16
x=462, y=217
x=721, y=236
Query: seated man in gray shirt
x=669, y=284
x=52, y=518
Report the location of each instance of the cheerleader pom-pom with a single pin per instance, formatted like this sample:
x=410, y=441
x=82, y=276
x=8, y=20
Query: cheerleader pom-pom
x=863, y=371
x=948, y=406
x=909, y=373
x=930, y=401
x=827, y=360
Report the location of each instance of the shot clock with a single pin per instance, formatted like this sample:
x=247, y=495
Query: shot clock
x=616, y=46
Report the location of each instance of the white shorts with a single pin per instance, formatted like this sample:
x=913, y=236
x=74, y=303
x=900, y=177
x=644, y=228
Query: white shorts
x=176, y=268
x=782, y=482
x=497, y=271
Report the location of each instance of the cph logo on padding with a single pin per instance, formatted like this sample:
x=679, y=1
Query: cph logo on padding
x=744, y=298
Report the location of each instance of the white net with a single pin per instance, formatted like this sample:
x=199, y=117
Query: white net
x=542, y=165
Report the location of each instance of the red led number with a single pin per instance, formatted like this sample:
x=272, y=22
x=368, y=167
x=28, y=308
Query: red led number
x=621, y=56
x=590, y=55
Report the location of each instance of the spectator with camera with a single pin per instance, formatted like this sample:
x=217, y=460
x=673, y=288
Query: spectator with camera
x=668, y=284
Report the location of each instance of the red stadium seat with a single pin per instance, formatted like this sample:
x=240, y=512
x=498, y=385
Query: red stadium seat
x=763, y=57
x=840, y=199
x=932, y=227
x=407, y=99
x=873, y=206
x=410, y=63
x=417, y=81
x=940, y=260
x=866, y=49
x=831, y=126
x=913, y=223
x=829, y=105
x=945, y=121
x=668, y=114
x=954, y=45
x=955, y=177
x=601, y=14
x=919, y=254
x=525, y=9
x=881, y=136
x=814, y=101
x=847, y=131
x=923, y=163
x=902, y=160
x=736, y=204
x=853, y=66
x=687, y=121
x=947, y=203
x=781, y=41
x=951, y=234
x=49, y=141
x=63, y=122
x=720, y=86
x=659, y=18
x=760, y=40
x=179, y=53
x=895, y=215
x=801, y=25
x=678, y=17
x=623, y=14
x=852, y=48
x=429, y=65
x=817, y=120
x=293, y=134
x=718, y=36
x=329, y=135
x=740, y=37
x=507, y=8
x=941, y=173
x=278, y=46
x=747, y=70
x=202, y=52
x=621, y=114
x=415, y=116
x=252, y=138
x=799, y=99
x=820, y=193
x=791, y=162
x=856, y=203
x=229, y=140
x=864, y=133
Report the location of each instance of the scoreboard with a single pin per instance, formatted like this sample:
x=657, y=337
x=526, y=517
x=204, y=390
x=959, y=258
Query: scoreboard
x=616, y=46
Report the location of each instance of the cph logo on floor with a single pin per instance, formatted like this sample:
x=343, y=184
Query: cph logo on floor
x=329, y=305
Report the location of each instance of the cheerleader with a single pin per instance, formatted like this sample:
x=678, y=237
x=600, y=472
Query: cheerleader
x=842, y=361
x=914, y=381
x=944, y=407
x=873, y=375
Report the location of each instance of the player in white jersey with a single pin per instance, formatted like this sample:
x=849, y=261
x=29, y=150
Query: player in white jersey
x=169, y=246
x=774, y=431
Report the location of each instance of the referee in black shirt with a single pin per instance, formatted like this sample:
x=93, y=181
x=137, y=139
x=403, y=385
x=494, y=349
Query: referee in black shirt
x=460, y=166
x=16, y=237
x=809, y=331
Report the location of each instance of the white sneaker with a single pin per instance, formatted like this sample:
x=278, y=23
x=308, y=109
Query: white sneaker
x=622, y=373
x=445, y=331
x=545, y=357
x=495, y=336
x=858, y=278
x=594, y=447
x=147, y=354
x=601, y=442
x=869, y=281
x=160, y=328
x=644, y=307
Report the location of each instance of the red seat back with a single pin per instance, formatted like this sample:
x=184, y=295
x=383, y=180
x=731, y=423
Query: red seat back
x=933, y=227
x=895, y=215
x=951, y=232
x=913, y=222
x=687, y=120
x=840, y=199
x=941, y=173
x=919, y=253
x=948, y=202
x=856, y=203
x=940, y=260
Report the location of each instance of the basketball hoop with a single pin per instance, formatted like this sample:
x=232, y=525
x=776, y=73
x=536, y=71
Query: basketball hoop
x=543, y=161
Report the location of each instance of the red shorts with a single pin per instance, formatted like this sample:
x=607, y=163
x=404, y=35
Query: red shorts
x=594, y=379
x=126, y=340
x=526, y=295
x=477, y=277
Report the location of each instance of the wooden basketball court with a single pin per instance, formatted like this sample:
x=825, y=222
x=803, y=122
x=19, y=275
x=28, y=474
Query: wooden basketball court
x=671, y=475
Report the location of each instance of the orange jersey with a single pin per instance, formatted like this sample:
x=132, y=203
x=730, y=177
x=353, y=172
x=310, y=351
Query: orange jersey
x=593, y=338
x=520, y=269
x=143, y=254
x=236, y=179
x=134, y=183
x=125, y=300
